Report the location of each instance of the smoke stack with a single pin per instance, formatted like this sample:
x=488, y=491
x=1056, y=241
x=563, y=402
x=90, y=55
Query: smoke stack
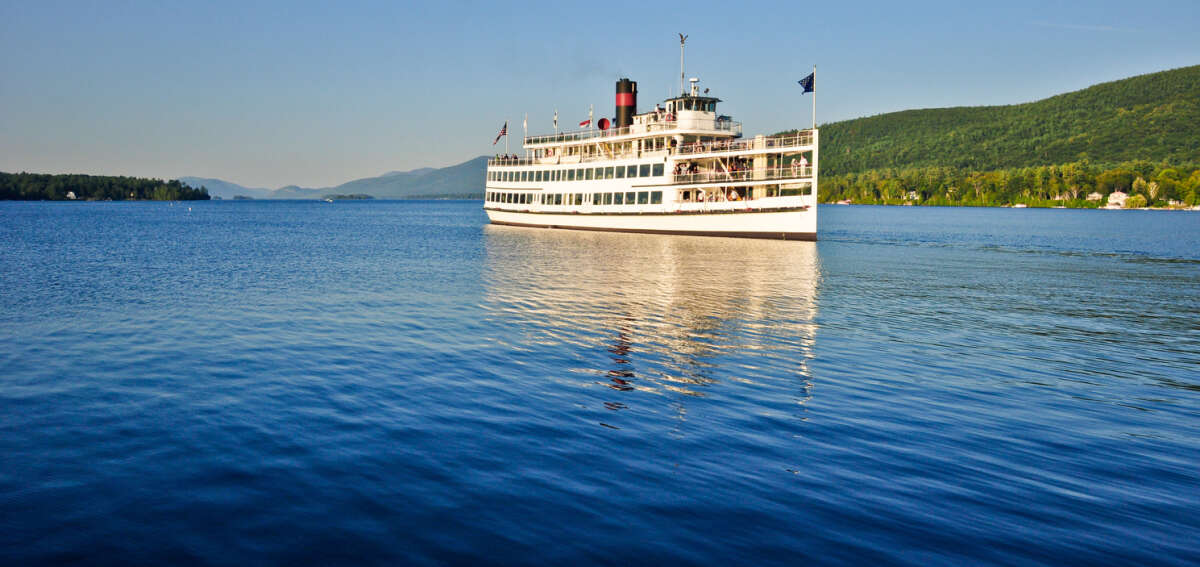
x=626, y=103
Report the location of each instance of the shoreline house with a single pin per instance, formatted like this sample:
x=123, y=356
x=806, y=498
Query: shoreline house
x=1095, y=196
x=1116, y=200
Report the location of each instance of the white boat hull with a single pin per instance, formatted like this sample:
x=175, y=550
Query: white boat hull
x=790, y=224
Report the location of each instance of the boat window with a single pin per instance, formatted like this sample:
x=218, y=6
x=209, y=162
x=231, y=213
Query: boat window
x=658, y=169
x=656, y=197
x=643, y=197
x=570, y=175
x=618, y=198
x=558, y=199
x=588, y=173
x=620, y=172
x=596, y=198
x=644, y=170
x=608, y=198
x=579, y=198
x=630, y=197
x=608, y=172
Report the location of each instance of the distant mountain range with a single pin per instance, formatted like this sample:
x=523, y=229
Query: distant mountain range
x=1149, y=117
x=462, y=180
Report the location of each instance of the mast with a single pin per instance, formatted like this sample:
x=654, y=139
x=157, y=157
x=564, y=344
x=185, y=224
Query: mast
x=682, y=39
x=814, y=112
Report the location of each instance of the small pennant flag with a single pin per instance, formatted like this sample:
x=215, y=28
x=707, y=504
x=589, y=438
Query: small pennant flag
x=556, y=119
x=586, y=123
x=503, y=133
x=807, y=83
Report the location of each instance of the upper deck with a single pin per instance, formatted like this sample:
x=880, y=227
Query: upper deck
x=711, y=148
x=648, y=124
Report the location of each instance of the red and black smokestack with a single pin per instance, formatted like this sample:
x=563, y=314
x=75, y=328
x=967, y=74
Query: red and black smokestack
x=626, y=102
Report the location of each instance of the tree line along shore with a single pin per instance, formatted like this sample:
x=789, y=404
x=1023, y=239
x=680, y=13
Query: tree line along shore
x=68, y=187
x=1071, y=185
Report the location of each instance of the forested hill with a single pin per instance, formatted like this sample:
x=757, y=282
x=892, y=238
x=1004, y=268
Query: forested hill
x=48, y=187
x=1149, y=117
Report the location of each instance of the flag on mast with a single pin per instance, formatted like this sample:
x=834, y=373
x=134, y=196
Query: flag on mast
x=555, y=119
x=503, y=133
x=525, y=124
x=809, y=83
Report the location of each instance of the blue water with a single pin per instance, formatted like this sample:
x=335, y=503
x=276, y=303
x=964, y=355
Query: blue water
x=236, y=383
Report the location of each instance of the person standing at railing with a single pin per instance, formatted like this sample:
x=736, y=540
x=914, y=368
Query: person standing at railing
x=803, y=164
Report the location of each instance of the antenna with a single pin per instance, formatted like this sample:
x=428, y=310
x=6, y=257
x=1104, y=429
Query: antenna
x=682, y=39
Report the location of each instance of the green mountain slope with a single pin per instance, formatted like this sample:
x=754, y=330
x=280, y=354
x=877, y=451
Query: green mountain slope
x=1148, y=117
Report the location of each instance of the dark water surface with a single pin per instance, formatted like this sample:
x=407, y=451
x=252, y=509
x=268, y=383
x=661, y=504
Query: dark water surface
x=243, y=383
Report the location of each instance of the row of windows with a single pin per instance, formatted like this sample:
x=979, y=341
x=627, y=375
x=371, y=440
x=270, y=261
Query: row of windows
x=616, y=198
x=579, y=173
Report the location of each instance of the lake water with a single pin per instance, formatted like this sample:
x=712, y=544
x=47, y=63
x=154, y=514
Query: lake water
x=240, y=383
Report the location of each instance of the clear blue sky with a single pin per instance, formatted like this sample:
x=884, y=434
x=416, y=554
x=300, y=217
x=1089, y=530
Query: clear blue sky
x=317, y=93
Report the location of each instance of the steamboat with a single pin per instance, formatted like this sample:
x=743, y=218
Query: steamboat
x=679, y=168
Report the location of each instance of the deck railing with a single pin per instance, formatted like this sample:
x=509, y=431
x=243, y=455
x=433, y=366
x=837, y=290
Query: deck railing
x=787, y=141
x=656, y=126
x=798, y=173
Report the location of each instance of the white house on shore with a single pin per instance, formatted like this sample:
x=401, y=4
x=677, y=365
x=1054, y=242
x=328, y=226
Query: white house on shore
x=1116, y=200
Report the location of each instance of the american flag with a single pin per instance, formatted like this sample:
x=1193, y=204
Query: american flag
x=503, y=133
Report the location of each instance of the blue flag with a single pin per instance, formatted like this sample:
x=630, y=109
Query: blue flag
x=807, y=83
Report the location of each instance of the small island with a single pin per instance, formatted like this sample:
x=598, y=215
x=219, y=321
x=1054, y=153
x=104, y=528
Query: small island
x=350, y=197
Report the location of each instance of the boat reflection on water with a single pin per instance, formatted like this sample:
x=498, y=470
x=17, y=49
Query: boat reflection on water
x=648, y=313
